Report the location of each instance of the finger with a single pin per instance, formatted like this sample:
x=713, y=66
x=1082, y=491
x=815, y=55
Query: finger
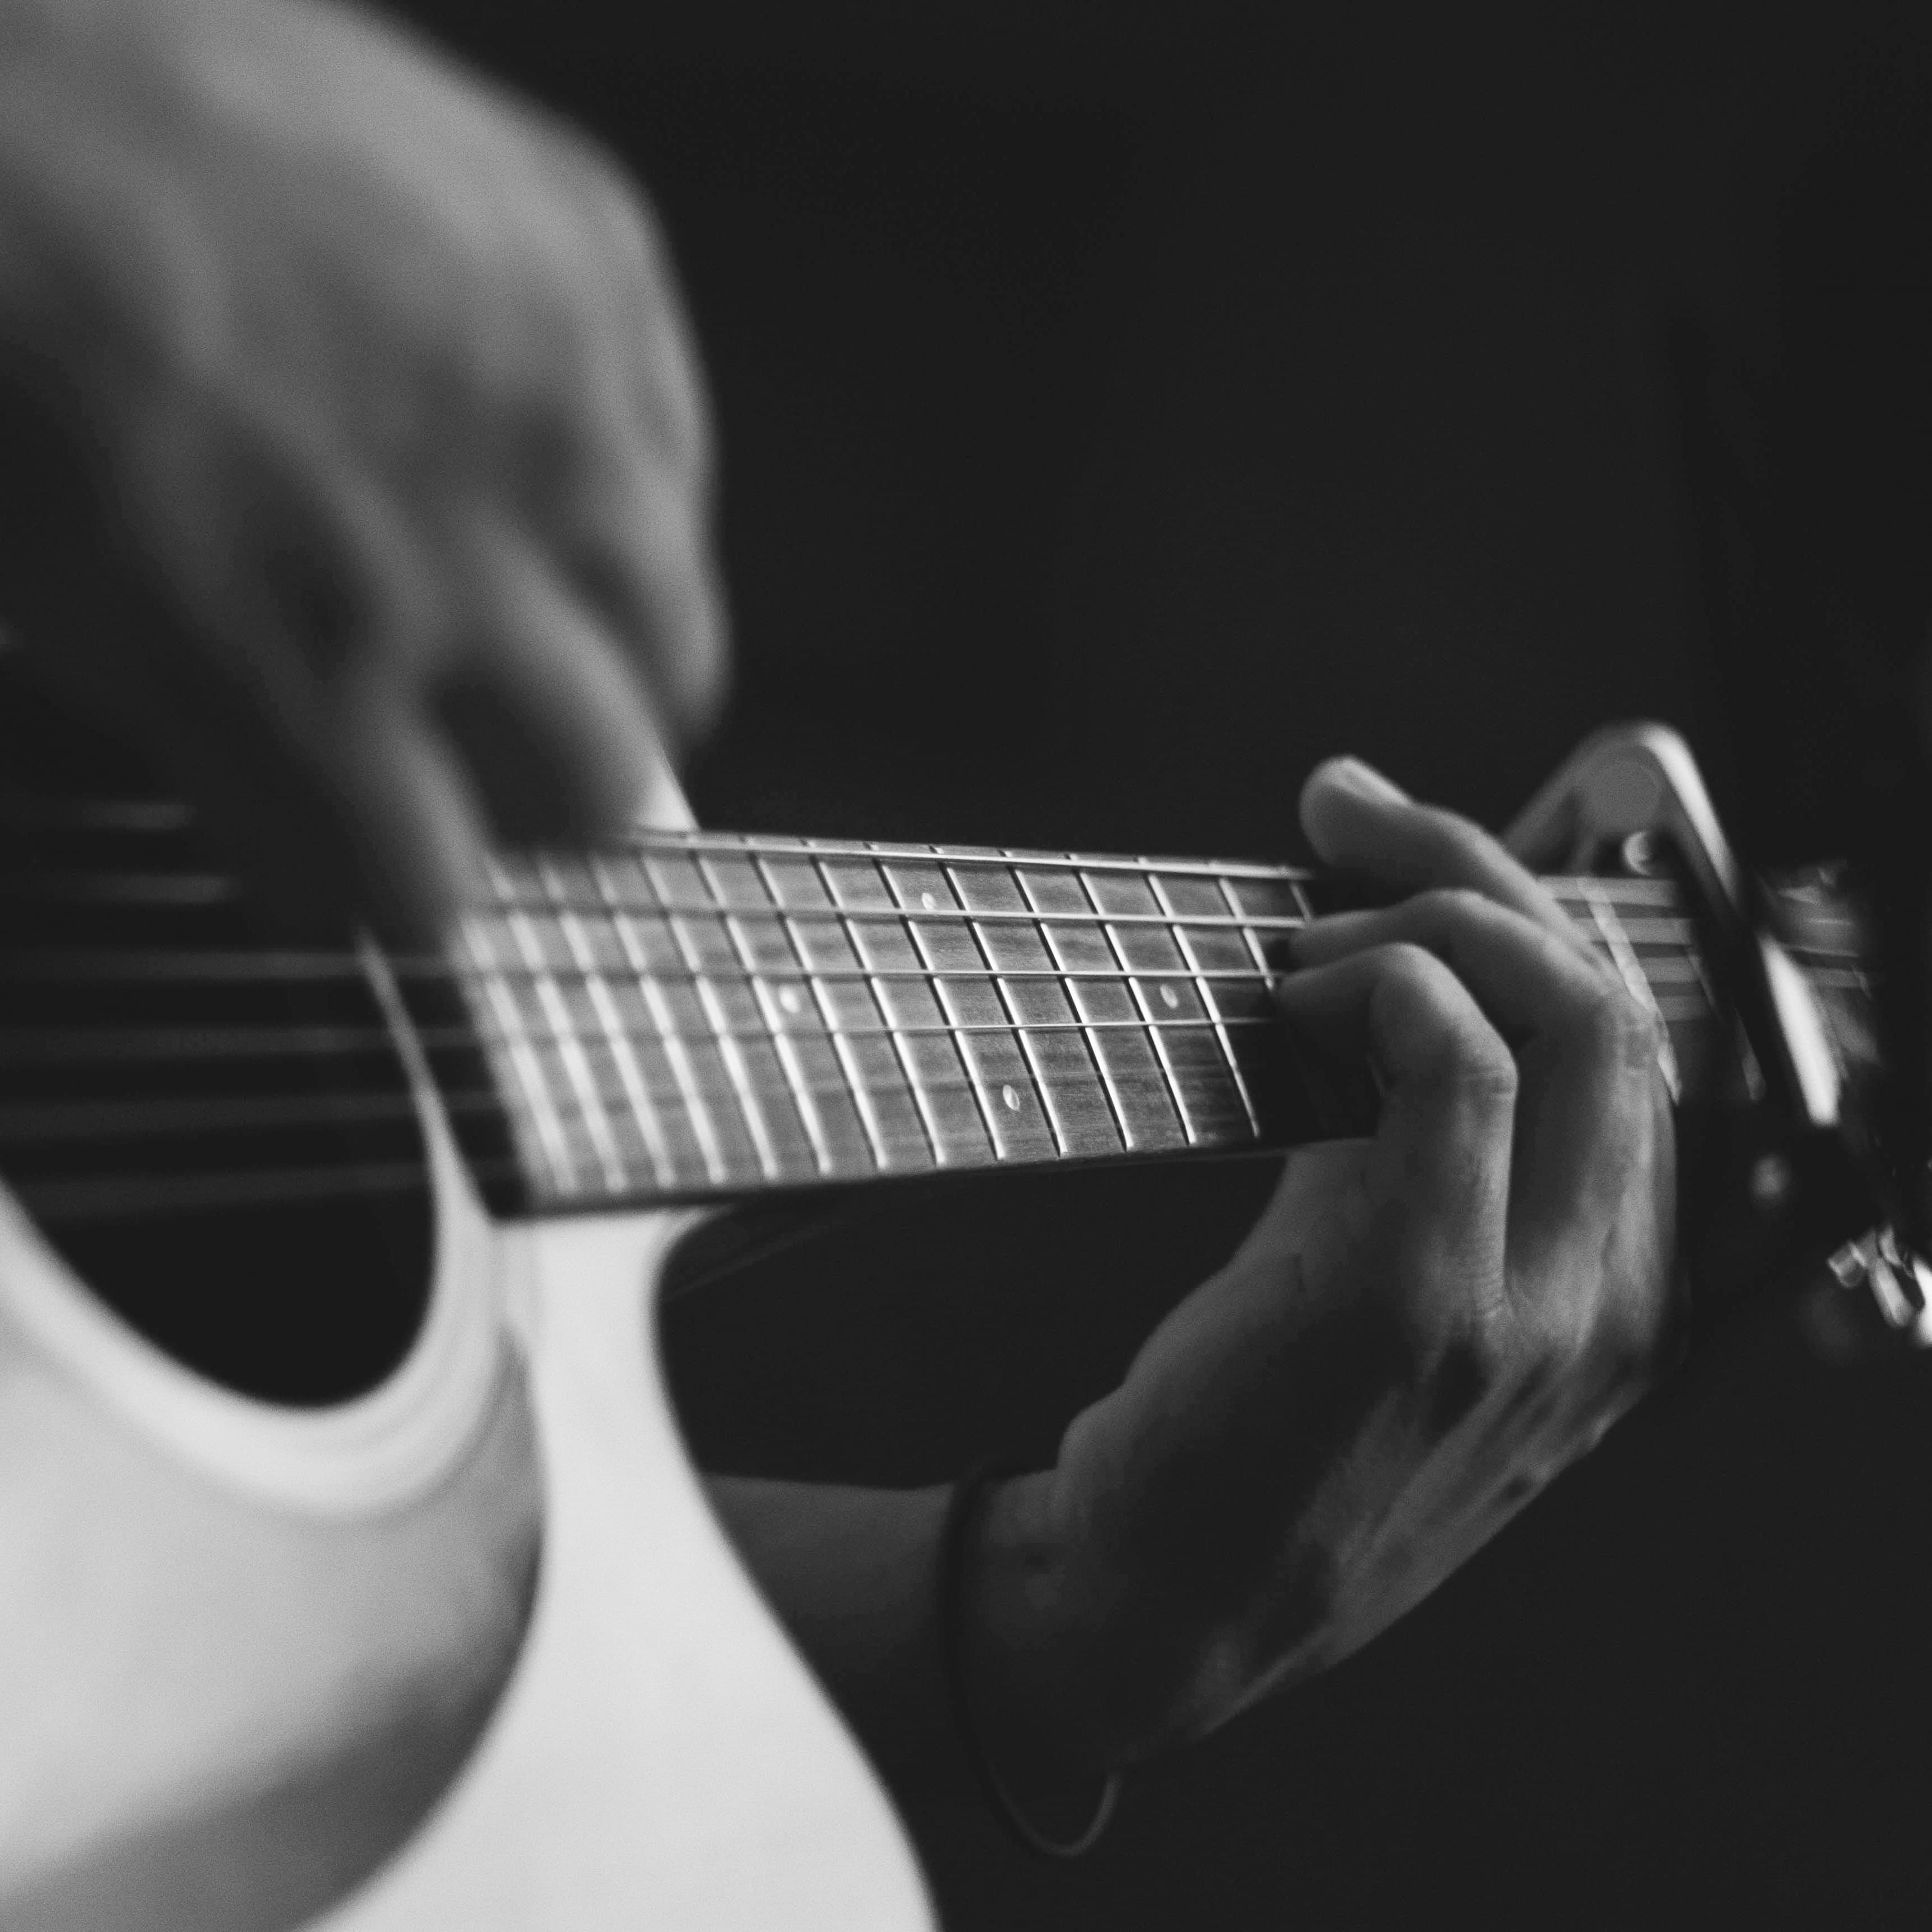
x=413, y=826
x=632, y=540
x=1529, y=981
x=278, y=686
x=623, y=483
x=1355, y=818
x=1589, y=1055
x=1440, y=1161
x=366, y=822
x=543, y=710
x=629, y=259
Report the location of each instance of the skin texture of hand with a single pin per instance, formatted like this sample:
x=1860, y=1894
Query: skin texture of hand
x=1423, y=1329
x=375, y=470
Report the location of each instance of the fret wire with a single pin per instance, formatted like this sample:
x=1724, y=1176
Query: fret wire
x=1109, y=1085
x=864, y=1103
x=804, y=1093
x=570, y=1052
x=981, y=1091
x=798, y=1127
x=921, y=1099
x=550, y=1133
x=729, y=1050
x=1182, y=1111
x=1188, y=953
x=623, y=1053
x=783, y=1047
x=1255, y=952
x=1694, y=955
x=867, y=1101
x=1631, y=970
x=703, y=1128
x=865, y=1096
x=1027, y=1051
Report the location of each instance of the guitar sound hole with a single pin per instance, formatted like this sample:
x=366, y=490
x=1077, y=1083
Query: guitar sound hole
x=209, y=1123
x=307, y=1306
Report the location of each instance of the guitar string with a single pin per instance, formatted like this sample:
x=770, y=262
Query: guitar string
x=59, y=1050
x=63, y=966
x=209, y=1114
x=149, y=816
x=99, y=1197
x=553, y=903
x=90, y=1046
x=1642, y=899
x=108, y=1116
x=604, y=906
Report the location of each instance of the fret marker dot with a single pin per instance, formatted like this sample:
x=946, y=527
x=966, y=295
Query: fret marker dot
x=931, y=903
x=788, y=998
x=1011, y=1097
x=1169, y=997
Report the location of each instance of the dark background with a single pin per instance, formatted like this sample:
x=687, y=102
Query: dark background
x=1121, y=409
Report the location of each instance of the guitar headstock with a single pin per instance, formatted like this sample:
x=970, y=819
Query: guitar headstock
x=1792, y=1169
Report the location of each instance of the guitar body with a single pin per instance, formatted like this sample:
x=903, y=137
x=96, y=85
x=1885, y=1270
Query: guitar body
x=442, y=1634
x=470, y=1651
x=450, y=1640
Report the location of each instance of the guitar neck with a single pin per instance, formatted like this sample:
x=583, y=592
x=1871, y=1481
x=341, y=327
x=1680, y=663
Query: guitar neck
x=703, y=1015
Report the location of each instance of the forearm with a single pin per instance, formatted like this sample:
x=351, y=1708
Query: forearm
x=855, y=1576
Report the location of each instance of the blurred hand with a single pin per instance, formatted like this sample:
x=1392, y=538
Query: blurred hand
x=1423, y=1329
x=391, y=461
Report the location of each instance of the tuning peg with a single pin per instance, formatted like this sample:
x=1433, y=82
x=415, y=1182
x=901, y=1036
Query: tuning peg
x=1875, y=1275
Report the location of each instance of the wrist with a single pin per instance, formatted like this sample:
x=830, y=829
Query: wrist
x=1033, y=1648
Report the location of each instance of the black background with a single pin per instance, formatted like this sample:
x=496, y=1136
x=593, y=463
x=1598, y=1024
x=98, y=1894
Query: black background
x=1120, y=410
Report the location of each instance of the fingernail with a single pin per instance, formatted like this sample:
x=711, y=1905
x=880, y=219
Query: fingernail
x=1365, y=782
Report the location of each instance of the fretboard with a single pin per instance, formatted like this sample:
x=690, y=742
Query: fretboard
x=703, y=1015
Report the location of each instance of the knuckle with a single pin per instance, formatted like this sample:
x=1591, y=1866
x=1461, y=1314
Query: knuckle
x=1465, y=1359
x=1455, y=841
x=1412, y=972
x=1479, y=1067
x=1454, y=905
x=1440, y=1041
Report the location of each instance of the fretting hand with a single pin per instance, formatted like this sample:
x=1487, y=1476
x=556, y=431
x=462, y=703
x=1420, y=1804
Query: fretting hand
x=1423, y=1329
x=394, y=520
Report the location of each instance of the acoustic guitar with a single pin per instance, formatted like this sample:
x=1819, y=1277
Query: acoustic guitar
x=354, y=1573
